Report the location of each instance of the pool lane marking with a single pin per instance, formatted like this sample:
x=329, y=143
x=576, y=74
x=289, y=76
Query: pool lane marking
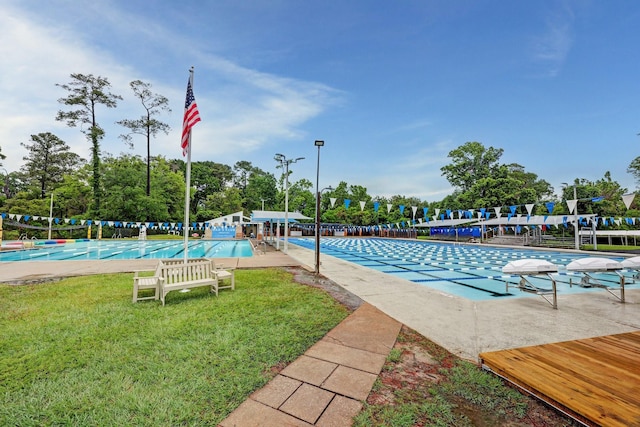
x=454, y=280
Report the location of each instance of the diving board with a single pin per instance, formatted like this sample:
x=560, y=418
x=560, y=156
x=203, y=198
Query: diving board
x=533, y=267
x=590, y=265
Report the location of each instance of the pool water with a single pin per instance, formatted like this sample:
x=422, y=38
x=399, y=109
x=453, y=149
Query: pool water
x=470, y=271
x=130, y=249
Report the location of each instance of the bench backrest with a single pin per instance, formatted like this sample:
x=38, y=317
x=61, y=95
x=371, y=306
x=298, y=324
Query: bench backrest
x=177, y=271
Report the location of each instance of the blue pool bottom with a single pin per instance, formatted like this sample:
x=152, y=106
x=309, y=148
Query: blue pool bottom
x=127, y=249
x=469, y=271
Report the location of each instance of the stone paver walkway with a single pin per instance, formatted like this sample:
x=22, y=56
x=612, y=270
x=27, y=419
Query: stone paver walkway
x=326, y=385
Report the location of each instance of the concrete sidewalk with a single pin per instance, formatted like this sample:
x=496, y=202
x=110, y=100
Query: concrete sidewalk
x=326, y=385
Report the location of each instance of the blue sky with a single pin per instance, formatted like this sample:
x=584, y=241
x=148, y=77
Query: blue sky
x=391, y=87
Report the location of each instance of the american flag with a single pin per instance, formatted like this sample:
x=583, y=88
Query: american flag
x=191, y=117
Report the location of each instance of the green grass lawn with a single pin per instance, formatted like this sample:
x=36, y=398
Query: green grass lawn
x=611, y=248
x=79, y=352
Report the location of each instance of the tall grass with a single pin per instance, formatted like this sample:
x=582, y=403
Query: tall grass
x=79, y=352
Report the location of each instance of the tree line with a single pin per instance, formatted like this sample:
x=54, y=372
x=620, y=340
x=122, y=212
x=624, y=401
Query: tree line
x=132, y=188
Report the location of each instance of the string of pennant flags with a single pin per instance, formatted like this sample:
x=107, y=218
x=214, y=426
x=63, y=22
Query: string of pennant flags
x=484, y=213
x=153, y=225
x=439, y=214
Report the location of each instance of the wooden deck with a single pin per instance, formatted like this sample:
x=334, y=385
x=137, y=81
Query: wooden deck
x=595, y=380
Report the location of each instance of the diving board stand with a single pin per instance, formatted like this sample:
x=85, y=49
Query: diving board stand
x=587, y=266
x=533, y=267
x=633, y=264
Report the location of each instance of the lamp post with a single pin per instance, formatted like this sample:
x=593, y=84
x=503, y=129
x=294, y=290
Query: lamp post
x=284, y=164
x=318, y=143
x=318, y=197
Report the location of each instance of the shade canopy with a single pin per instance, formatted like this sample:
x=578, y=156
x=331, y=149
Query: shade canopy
x=594, y=264
x=276, y=216
x=529, y=266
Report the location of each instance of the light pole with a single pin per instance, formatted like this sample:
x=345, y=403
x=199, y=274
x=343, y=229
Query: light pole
x=318, y=197
x=318, y=143
x=284, y=163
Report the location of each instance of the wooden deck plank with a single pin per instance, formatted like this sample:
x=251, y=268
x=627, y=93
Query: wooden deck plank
x=562, y=385
x=597, y=380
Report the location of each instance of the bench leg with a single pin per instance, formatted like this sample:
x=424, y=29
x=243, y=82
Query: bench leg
x=214, y=286
x=137, y=289
x=135, y=293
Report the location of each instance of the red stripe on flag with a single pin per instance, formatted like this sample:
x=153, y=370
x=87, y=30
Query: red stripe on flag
x=191, y=117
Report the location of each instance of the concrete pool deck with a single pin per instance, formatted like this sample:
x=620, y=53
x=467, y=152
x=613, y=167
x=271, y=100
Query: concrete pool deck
x=468, y=328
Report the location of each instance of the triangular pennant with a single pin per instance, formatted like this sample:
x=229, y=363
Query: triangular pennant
x=550, y=206
x=333, y=201
x=628, y=199
x=529, y=207
x=362, y=205
x=571, y=204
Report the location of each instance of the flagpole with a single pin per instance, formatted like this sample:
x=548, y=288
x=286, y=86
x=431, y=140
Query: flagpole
x=188, y=187
x=186, y=202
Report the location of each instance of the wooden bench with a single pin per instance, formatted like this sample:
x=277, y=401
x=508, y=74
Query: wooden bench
x=224, y=273
x=176, y=274
x=146, y=282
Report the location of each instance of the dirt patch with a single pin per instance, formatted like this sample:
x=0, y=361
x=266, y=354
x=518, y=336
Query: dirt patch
x=420, y=365
x=341, y=295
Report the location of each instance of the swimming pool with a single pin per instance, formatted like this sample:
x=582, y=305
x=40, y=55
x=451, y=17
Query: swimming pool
x=130, y=249
x=470, y=271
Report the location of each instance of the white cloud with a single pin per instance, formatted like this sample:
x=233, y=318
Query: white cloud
x=554, y=44
x=241, y=109
x=413, y=174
